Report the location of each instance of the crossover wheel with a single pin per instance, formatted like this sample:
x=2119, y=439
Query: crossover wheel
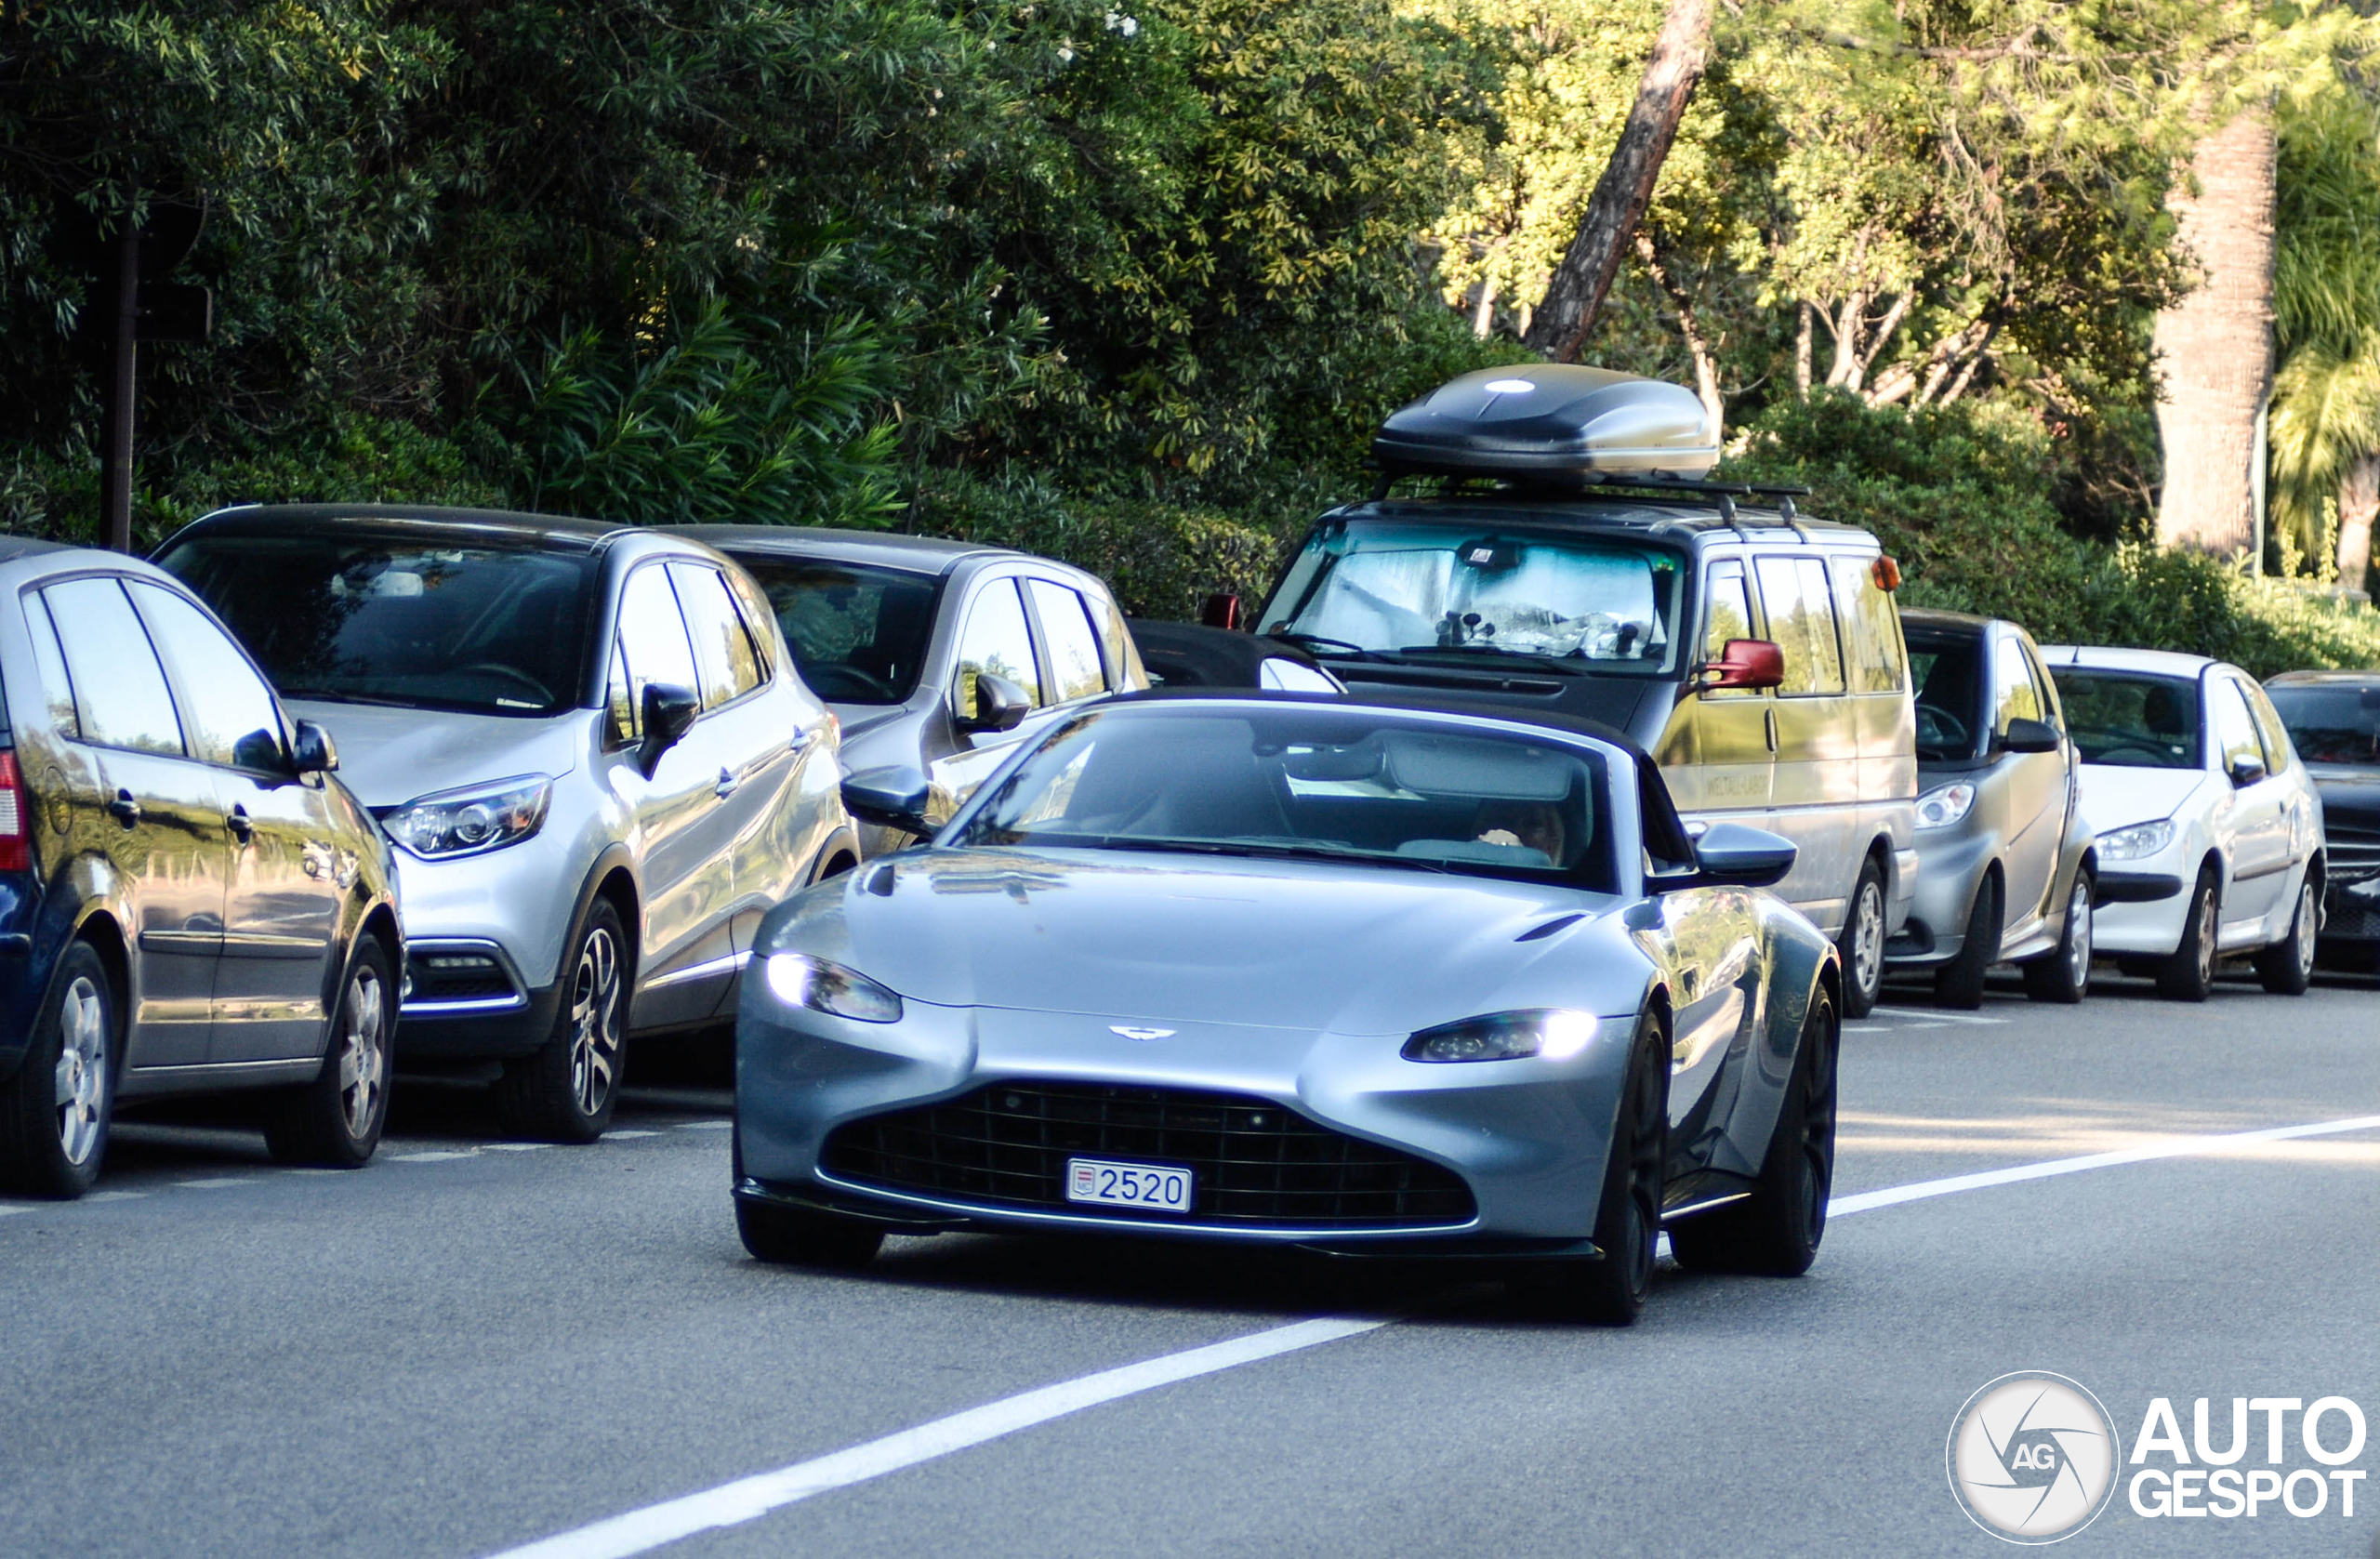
x=54, y=1113
x=2187, y=972
x=334, y=1121
x=1775, y=1231
x=1862, y=942
x=2064, y=976
x=1627, y=1214
x=2287, y=967
x=796, y=1236
x=565, y=1092
x=1960, y=982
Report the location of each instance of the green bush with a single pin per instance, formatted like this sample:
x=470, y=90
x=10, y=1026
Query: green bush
x=1962, y=495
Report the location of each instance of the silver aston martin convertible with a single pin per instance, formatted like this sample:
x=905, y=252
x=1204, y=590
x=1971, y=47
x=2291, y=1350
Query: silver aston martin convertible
x=1285, y=970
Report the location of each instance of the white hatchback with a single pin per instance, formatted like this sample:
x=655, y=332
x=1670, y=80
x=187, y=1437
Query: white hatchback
x=2210, y=833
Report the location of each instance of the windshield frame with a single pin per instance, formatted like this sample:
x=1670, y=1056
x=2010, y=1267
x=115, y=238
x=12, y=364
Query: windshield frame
x=180, y=557
x=757, y=560
x=1293, y=595
x=1602, y=868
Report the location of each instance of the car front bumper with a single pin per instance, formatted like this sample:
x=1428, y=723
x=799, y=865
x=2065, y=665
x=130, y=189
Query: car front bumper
x=1950, y=864
x=1527, y=1137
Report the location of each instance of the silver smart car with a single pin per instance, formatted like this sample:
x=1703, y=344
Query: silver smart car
x=2005, y=870
x=590, y=745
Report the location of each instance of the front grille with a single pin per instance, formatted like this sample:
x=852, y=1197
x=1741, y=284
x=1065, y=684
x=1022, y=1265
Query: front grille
x=1255, y=1163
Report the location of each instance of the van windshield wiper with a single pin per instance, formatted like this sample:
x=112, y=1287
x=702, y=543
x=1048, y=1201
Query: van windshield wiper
x=1322, y=644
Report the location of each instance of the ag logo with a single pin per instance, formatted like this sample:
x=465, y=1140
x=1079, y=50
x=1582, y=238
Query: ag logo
x=1129, y=1032
x=2032, y=1458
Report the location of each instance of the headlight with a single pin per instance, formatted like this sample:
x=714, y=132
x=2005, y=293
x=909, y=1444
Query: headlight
x=2131, y=844
x=1944, y=805
x=1556, y=1034
x=799, y=980
x=466, y=821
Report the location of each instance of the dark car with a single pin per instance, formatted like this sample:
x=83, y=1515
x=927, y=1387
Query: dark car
x=189, y=902
x=2333, y=721
x=1193, y=655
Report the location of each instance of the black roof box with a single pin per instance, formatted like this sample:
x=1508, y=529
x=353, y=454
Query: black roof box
x=1554, y=423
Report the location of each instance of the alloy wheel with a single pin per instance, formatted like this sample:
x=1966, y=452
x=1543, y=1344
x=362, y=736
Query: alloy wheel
x=595, y=1022
x=1644, y=1167
x=1818, y=1131
x=2078, y=934
x=81, y=1069
x=362, y=1057
x=2309, y=920
x=1868, y=936
x=2206, y=932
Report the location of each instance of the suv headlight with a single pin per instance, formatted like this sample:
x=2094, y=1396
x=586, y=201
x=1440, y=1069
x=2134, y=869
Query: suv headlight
x=466, y=821
x=798, y=980
x=1945, y=804
x=1556, y=1034
x=2141, y=838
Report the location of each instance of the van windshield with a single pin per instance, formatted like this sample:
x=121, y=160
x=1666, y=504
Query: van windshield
x=1421, y=591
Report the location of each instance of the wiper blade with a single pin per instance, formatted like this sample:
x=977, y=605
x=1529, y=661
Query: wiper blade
x=1270, y=850
x=340, y=695
x=1538, y=657
x=1322, y=643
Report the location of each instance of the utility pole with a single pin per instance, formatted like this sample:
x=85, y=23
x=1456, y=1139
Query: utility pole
x=115, y=477
x=145, y=307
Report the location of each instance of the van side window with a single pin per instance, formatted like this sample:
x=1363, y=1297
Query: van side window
x=2013, y=693
x=1801, y=619
x=1871, y=641
x=1726, y=616
x=120, y=691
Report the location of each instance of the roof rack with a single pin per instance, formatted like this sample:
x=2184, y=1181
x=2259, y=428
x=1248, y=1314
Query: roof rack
x=1719, y=495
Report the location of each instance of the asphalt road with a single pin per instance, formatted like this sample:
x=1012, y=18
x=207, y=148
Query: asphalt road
x=470, y=1346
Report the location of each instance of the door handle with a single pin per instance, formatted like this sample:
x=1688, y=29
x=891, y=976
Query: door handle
x=1769, y=719
x=726, y=786
x=800, y=739
x=124, y=808
x=242, y=829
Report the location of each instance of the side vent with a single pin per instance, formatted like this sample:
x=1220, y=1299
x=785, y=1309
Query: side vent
x=1560, y=922
x=880, y=881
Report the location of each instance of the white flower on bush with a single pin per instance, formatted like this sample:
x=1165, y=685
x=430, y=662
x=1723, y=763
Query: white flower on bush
x=1117, y=23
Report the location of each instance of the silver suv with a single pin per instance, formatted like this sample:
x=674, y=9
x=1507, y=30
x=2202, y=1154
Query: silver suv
x=589, y=743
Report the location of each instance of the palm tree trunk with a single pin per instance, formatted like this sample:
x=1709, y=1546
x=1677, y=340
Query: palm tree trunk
x=1575, y=293
x=2216, y=344
x=2359, y=504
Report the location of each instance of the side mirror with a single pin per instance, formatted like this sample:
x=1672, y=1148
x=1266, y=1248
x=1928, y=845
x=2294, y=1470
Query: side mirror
x=1745, y=663
x=312, y=750
x=895, y=798
x=1001, y=705
x=1221, y=610
x=670, y=712
x=2245, y=771
x=2030, y=735
x=1731, y=855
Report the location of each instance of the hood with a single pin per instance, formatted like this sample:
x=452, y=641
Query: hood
x=2114, y=796
x=1128, y=936
x=390, y=756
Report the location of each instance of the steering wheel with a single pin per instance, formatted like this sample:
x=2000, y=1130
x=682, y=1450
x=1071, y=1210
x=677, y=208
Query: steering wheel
x=828, y=678
x=517, y=677
x=1937, y=729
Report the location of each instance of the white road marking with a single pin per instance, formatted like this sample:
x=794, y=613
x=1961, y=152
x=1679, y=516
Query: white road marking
x=115, y=1195
x=2177, y=1147
x=705, y=1126
x=623, y=1136
x=515, y=1147
x=212, y=1185
x=18, y=1207
x=435, y=1156
x=749, y=1498
x=1939, y=1017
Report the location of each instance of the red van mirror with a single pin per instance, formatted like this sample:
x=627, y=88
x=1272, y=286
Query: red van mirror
x=1745, y=663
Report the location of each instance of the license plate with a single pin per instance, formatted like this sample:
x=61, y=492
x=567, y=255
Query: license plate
x=1108, y=1184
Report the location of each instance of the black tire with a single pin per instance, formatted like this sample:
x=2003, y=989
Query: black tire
x=796, y=1236
x=1775, y=1232
x=566, y=1091
x=2287, y=967
x=2187, y=972
x=334, y=1121
x=2064, y=976
x=1959, y=983
x=1611, y=1291
x=1862, y=942
x=55, y=1112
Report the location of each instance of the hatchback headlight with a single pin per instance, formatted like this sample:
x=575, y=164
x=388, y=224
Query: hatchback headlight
x=2141, y=838
x=1945, y=804
x=798, y=980
x=1555, y=1032
x=468, y=822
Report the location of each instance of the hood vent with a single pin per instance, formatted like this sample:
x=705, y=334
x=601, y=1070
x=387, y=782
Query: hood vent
x=1539, y=933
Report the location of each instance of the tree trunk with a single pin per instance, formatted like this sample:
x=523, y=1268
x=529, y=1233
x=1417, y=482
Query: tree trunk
x=2216, y=344
x=1697, y=346
x=1575, y=293
x=2359, y=504
x=1483, y=319
x=1802, y=351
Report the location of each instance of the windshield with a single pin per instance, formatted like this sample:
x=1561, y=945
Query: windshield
x=1441, y=589
x=2330, y=724
x=354, y=617
x=1307, y=782
x=2130, y=722
x=1949, y=675
x=859, y=634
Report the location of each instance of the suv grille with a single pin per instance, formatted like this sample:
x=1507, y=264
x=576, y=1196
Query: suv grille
x=1255, y=1163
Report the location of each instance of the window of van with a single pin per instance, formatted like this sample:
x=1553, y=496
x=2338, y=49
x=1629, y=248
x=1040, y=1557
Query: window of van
x=1871, y=638
x=1801, y=619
